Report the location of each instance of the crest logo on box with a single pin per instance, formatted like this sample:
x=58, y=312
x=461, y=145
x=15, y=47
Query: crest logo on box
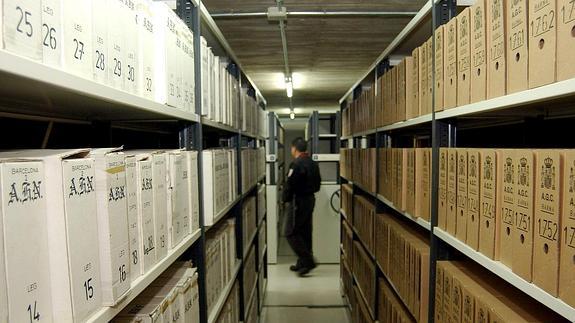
x=523, y=172
x=472, y=167
x=508, y=171
x=548, y=174
x=461, y=168
x=488, y=169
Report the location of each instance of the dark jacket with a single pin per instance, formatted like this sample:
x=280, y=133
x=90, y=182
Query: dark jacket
x=303, y=179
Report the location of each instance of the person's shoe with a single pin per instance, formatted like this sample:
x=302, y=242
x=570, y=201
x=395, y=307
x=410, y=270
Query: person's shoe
x=295, y=267
x=306, y=270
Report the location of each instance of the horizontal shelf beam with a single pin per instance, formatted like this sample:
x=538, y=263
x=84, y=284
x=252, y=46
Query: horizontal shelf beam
x=421, y=222
x=106, y=314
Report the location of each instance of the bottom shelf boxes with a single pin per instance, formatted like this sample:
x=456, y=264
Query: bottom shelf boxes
x=231, y=311
x=390, y=307
x=364, y=271
x=471, y=294
x=360, y=312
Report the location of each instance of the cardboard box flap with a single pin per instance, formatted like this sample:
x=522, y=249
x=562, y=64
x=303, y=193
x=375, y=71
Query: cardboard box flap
x=105, y=151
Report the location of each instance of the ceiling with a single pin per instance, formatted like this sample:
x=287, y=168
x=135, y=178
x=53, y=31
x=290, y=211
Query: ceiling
x=327, y=55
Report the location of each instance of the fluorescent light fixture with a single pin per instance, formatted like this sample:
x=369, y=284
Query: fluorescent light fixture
x=289, y=87
x=292, y=114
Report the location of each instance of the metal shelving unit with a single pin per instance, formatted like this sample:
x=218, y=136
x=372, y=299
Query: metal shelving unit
x=490, y=120
x=275, y=170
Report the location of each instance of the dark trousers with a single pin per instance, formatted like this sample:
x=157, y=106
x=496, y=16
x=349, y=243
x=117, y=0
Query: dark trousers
x=300, y=237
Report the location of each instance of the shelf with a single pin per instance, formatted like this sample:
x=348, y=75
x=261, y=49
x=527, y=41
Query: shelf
x=326, y=157
x=224, y=294
x=394, y=289
x=219, y=126
x=251, y=135
x=106, y=314
x=344, y=215
x=365, y=190
x=408, y=123
x=250, y=244
x=555, y=91
x=506, y=274
x=31, y=88
x=252, y=298
x=262, y=256
x=424, y=224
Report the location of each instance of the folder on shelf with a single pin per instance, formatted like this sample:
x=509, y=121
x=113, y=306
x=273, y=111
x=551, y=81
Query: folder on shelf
x=478, y=72
x=442, y=191
x=565, y=40
x=430, y=57
x=506, y=203
x=415, y=100
x=473, y=197
x=450, y=65
x=567, y=247
x=410, y=97
x=522, y=260
x=423, y=79
x=451, y=221
x=463, y=57
x=461, y=222
x=439, y=68
x=496, y=68
x=488, y=238
x=517, y=49
x=548, y=180
x=401, y=91
x=543, y=20
x=410, y=181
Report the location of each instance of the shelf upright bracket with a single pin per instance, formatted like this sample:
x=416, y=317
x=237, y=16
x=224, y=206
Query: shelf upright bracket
x=443, y=12
x=191, y=137
x=443, y=135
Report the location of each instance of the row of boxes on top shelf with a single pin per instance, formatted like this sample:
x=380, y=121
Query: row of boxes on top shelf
x=404, y=176
x=514, y=206
x=80, y=225
x=254, y=118
x=464, y=292
x=137, y=46
x=172, y=297
x=491, y=49
x=221, y=260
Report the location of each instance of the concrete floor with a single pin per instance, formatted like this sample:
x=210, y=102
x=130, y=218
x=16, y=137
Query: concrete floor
x=291, y=299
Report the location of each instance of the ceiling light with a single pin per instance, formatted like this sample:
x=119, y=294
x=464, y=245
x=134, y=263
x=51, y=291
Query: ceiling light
x=289, y=87
x=292, y=115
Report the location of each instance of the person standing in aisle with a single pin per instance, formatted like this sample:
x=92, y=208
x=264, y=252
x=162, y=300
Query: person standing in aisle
x=303, y=182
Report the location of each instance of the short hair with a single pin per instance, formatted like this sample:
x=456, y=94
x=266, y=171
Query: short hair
x=300, y=144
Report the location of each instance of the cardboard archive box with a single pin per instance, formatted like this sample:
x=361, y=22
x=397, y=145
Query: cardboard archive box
x=112, y=223
x=178, y=198
x=548, y=180
x=77, y=37
x=24, y=237
x=450, y=65
x=567, y=247
x=430, y=57
x=409, y=89
x=442, y=190
x=194, y=207
x=401, y=91
x=451, y=219
x=423, y=182
x=414, y=109
x=506, y=203
x=478, y=72
x=488, y=237
x=463, y=57
x=473, y=197
x=462, y=172
x=543, y=18
x=565, y=42
x=517, y=48
x=160, y=197
x=496, y=60
x=145, y=209
x=101, y=10
x=439, y=315
x=410, y=181
x=423, y=66
x=438, y=83
x=522, y=260
x=22, y=22
x=147, y=57
x=132, y=187
x=52, y=22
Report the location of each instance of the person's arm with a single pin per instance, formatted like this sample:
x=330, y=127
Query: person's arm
x=291, y=183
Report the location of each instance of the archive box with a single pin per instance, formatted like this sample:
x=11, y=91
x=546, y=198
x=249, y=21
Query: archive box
x=506, y=203
x=565, y=41
x=478, y=72
x=451, y=220
x=100, y=39
x=132, y=187
x=496, y=38
x=52, y=32
x=77, y=39
x=488, y=238
x=462, y=199
x=543, y=18
x=22, y=27
x=463, y=57
x=439, y=34
x=567, y=247
x=517, y=48
x=473, y=198
x=450, y=65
